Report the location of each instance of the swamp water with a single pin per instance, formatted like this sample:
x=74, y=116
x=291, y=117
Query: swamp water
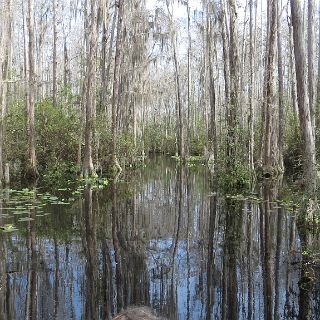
x=162, y=238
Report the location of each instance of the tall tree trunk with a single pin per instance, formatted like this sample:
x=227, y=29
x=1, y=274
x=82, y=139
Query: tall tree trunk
x=292, y=74
x=4, y=53
x=40, y=57
x=189, y=81
x=251, y=91
x=32, y=171
x=280, y=89
x=54, y=57
x=116, y=81
x=233, y=121
x=308, y=143
x=105, y=24
x=66, y=70
x=107, y=73
x=212, y=93
x=310, y=63
x=225, y=55
x=180, y=130
x=88, y=167
x=179, y=116
x=318, y=80
x=270, y=154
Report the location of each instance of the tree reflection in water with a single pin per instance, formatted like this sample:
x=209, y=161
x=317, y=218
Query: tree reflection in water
x=167, y=239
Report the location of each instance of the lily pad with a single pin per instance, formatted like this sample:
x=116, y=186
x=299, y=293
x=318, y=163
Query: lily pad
x=8, y=228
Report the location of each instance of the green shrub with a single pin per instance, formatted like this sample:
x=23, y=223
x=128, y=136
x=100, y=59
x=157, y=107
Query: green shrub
x=292, y=154
x=16, y=143
x=57, y=133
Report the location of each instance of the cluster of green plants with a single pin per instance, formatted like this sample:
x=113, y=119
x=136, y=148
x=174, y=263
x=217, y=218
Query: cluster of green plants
x=292, y=155
x=159, y=139
x=234, y=174
x=58, y=132
x=236, y=180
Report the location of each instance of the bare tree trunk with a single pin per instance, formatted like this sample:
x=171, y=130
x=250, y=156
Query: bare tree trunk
x=32, y=171
x=292, y=74
x=54, y=58
x=107, y=73
x=105, y=24
x=251, y=91
x=116, y=81
x=189, y=80
x=179, y=116
x=83, y=74
x=88, y=167
x=308, y=143
x=233, y=121
x=225, y=55
x=212, y=93
x=270, y=157
x=66, y=70
x=178, y=102
x=41, y=59
x=318, y=81
x=4, y=53
x=310, y=63
x=280, y=93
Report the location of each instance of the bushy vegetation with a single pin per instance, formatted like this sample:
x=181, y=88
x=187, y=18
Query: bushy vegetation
x=292, y=156
x=58, y=131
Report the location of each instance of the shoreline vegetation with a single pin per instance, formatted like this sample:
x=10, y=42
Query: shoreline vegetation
x=94, y=89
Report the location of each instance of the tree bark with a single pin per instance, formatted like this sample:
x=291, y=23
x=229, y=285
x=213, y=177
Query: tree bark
x=307, y=137
x=66, y=70
x=318, y=81
x=179, y=115
x=292, y=74
x=233, y=120
x=281, y=92
x=270, y=156
x=116, y=81
x=32, y=171
x=104, y=75
x=251, y=91
x=225, y=55
x=189, y=82
x=212, y=94
x=4, y=53
x=54, y=53
x=310, y=62
x=88, y=167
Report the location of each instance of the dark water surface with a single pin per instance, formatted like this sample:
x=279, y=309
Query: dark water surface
x=165, y=238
